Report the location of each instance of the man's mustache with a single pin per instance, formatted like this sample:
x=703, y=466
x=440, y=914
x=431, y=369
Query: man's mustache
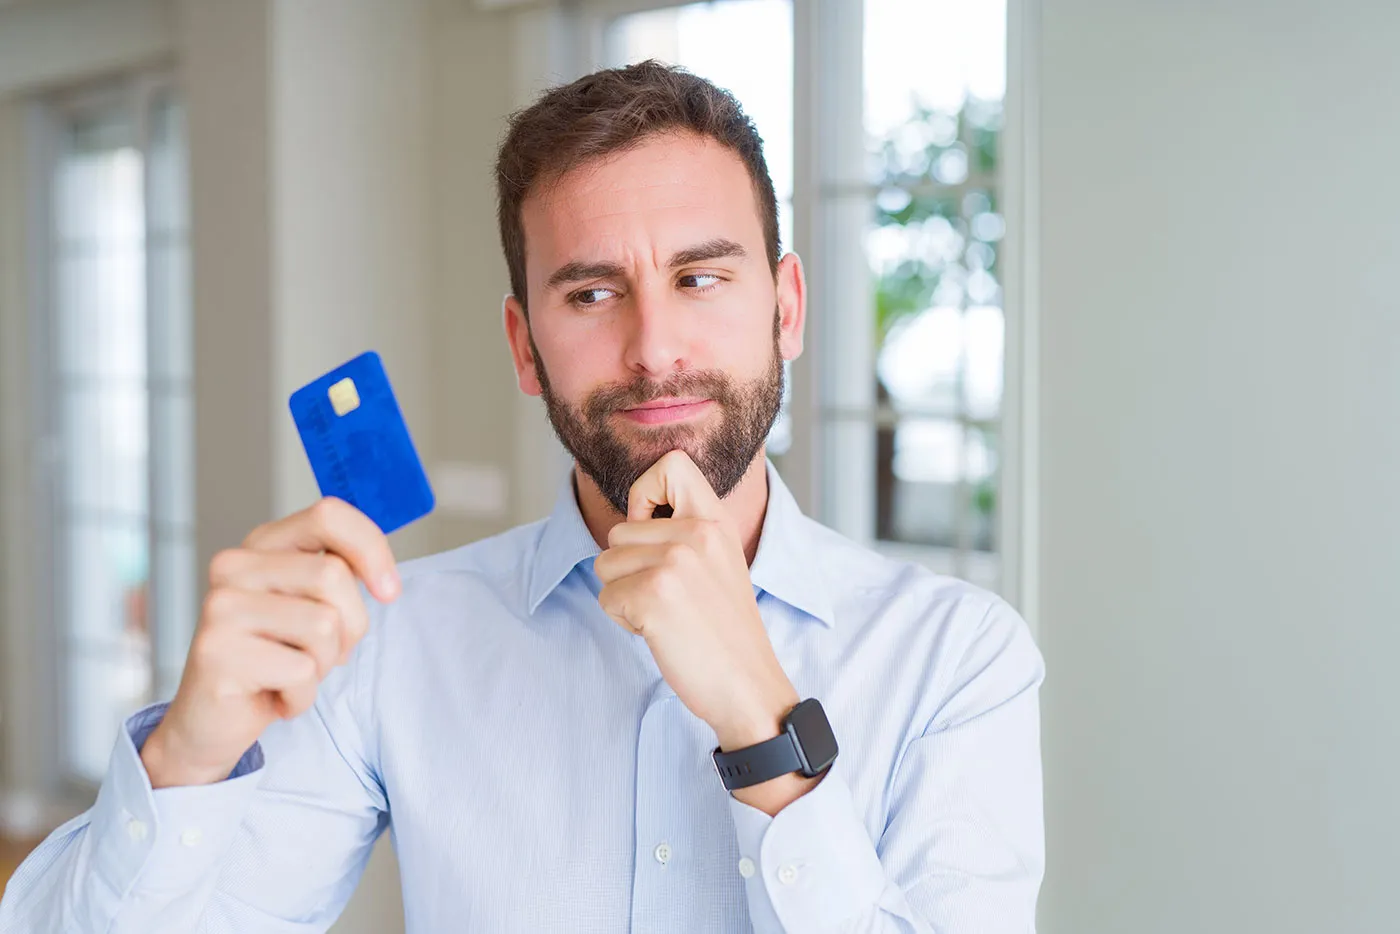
x=703, y=384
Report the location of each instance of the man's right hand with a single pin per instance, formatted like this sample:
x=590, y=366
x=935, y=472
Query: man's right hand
x=282, y=610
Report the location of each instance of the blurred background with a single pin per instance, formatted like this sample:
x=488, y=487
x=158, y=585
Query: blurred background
x=1104, y=318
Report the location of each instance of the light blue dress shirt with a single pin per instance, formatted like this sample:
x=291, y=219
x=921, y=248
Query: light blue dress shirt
x=537, y=773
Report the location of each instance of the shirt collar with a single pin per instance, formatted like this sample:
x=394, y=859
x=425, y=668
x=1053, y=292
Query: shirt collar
x=785, y=565
x=563, y=543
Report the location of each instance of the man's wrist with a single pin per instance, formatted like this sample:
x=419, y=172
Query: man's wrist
x=761, y=722
x=772, y=796
x=166, y=771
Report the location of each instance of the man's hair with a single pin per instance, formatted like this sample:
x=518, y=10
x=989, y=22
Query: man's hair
x=610, y=112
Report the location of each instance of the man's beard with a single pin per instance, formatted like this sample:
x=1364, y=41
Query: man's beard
x=723, y=452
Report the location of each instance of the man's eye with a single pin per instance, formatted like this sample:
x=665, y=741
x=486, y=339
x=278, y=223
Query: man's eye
x=700, y=281
x=590, y=296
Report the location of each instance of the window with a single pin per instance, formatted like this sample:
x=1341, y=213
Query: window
x=887, y=152
x=745, y=47
x=121, y=421
x=935, y=78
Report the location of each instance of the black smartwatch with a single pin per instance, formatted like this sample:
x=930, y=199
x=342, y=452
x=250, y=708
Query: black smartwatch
x=806, y=745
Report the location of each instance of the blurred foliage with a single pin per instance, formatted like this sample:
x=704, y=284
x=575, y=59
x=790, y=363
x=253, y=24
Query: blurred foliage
x=984, y=495
x=939, y=165
x=910, y=168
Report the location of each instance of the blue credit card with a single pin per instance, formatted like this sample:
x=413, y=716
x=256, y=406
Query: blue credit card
x=359, y=445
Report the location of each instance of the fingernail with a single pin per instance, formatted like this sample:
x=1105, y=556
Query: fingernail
x=389, y=585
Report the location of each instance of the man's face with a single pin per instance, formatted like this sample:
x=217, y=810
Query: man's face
x=655, y=322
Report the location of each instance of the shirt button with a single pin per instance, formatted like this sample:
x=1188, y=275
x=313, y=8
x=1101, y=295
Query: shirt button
x=746, y=868
x=787, y=875
x=191, y=837
x=663, y=853
x=136, y=830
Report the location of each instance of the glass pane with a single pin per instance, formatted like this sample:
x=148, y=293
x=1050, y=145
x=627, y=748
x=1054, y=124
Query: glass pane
x=95, y=177
x=100, y=256
x=984, y=353
x=104, y=687
x=105, y=446
x=935, y=54
x=936, y=483
x=102, y=333
x=101, y=320
x=920, y=362
x=944, y=360
x=107, y=571
x=935, y=77
x=79, y=345
x=83, y=460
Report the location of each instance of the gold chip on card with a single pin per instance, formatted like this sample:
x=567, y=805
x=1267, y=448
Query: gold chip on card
x=344, y=396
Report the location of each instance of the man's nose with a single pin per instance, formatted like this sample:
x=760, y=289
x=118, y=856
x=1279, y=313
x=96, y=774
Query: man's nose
x=656, y=344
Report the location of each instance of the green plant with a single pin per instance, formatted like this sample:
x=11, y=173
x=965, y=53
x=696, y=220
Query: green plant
x=913, y=193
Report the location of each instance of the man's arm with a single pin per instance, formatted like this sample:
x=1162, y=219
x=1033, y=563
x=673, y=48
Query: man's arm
x=963, y=848
x=276, y=847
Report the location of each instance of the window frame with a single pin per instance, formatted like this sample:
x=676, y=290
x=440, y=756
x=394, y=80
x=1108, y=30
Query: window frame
x=134, y=94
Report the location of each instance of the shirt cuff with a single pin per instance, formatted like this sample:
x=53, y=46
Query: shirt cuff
x=174, y=837
x=815, y=859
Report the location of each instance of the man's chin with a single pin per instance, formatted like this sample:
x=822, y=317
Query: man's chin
x=643, y=453
x=646, y=438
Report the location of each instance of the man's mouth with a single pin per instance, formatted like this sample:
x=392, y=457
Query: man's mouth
x=666, y=410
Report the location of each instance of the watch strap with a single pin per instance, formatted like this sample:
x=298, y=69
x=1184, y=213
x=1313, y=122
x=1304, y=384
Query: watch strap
x=758, y=763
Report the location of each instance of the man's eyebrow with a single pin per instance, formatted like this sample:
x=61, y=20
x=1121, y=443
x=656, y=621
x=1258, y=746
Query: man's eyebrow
x=718, y=248
x=580, y=271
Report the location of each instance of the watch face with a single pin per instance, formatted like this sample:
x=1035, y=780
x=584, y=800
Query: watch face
x=815, y=741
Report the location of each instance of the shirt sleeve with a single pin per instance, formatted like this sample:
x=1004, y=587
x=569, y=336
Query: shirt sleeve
x=279, y=846
x=963, y=847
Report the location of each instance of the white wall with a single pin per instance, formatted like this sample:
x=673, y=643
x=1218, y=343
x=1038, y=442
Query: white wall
x=350, y=189
x=1221, y=427
x=475, y=417
x=19, y=775
x=225, y=77
x=58, y=41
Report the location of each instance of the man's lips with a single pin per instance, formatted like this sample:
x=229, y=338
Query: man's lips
x=662, y=411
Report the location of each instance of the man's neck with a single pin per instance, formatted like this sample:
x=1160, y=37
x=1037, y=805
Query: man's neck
x=744, y=508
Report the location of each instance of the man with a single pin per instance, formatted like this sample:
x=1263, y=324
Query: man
x=612, y=719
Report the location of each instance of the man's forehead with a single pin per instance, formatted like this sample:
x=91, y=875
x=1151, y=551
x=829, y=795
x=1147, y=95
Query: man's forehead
x=662, y=156
x=670, y=172
x=665, y=196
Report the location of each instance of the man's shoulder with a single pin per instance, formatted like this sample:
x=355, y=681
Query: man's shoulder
x=859, y=571
x=925, y=628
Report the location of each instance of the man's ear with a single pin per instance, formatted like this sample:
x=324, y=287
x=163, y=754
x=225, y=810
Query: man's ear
x=792, y=306
x=518, y=336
